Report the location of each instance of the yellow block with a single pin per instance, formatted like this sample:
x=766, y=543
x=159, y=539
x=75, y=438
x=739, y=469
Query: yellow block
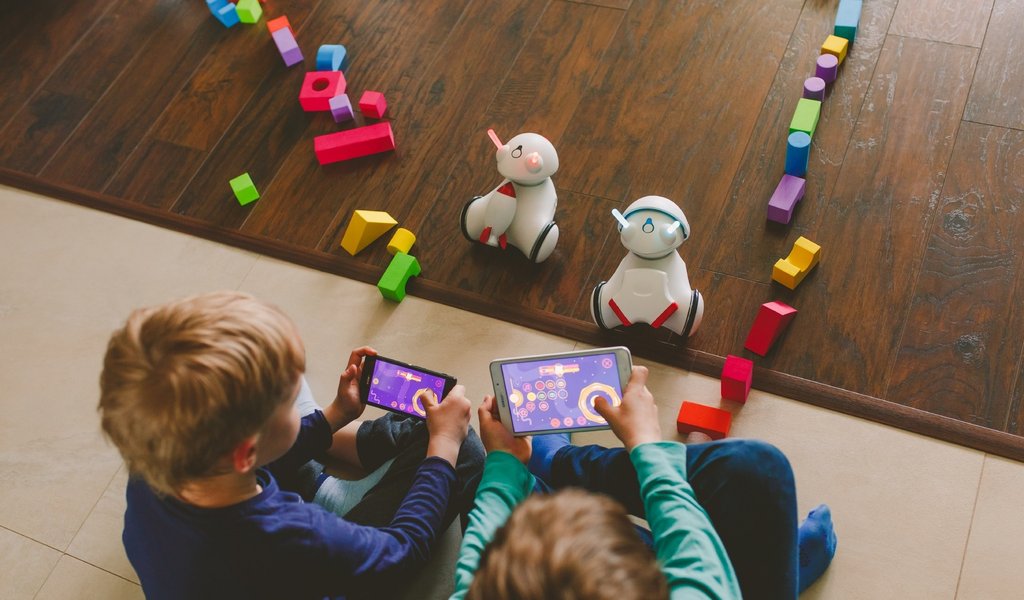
x=402, y=241
x=835, y=46
x=364, y=227
x=790, y=271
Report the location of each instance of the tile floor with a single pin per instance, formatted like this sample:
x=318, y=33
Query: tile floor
x=916, y=518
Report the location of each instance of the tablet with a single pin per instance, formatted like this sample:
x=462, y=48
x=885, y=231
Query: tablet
x=397, y=386
x=556, y=392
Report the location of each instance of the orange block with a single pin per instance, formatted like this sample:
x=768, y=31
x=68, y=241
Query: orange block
x=711, y=421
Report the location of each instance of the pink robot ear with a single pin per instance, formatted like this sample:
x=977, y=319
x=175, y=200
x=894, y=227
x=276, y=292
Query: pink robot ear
x=494, y=138
x=534, y=163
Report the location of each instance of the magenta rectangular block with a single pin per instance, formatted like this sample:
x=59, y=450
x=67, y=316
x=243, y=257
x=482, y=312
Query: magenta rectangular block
x=789, y=191
x=354, y=143
x=287, y=46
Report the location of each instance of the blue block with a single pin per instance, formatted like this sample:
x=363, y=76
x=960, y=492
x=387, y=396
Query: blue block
x=224, y=11
x=332, y=58
x=798, y=152
x=848, y=18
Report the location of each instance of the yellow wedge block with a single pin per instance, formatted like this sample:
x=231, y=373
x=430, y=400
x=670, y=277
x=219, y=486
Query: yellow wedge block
x=835, y=46
x=790, y=271
x=364, y=227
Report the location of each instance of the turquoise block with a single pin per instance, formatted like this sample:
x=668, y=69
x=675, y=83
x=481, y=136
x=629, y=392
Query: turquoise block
x=332, y=58
x=848, y=18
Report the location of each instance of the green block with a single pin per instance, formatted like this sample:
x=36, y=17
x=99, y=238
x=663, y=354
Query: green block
x=805, y=117
x=402, y=267
x=244, y=188
x=249, y=11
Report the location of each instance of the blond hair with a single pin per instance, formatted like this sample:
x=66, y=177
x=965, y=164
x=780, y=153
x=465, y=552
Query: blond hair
x=185, y=382
x=569, y=545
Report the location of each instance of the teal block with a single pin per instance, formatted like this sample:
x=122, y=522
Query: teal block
x=848, y=18
x=402, y=267
x=332, y=58
x=805, y=117
x=244, y=189
x=224, y=11
x=249, y=11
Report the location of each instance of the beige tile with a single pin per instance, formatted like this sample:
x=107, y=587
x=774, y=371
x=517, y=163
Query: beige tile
x=992, y=564
x=24, y=565
x=98, y=542
x=73, y=578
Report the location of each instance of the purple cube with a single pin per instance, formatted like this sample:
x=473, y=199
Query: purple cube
x=789, y=191
x=341, y=108
x=827, y=67
x=287, y=46
x=814, y=88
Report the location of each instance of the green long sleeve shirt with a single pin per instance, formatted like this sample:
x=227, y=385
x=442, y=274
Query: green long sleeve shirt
x=691, y=554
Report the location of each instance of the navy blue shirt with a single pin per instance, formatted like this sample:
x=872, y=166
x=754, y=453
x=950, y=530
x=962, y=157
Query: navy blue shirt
x=275, y=545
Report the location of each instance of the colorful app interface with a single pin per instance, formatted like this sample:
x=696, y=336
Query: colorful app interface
x=560, y=393
x=399, y=388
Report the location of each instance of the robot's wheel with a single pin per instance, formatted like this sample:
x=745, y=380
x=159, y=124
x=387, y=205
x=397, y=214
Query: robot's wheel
x=462, y=219
x=595, y=306
x=691, y=314
x=538, y=245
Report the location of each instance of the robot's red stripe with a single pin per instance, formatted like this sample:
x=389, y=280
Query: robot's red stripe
x=665, y=315
x=618, y=313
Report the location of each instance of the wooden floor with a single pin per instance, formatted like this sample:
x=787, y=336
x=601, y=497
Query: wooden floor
x=915, y=189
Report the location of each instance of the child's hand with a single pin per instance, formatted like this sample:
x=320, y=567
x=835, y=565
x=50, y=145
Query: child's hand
x=635, y=421
x=496, y=436
x=447, y=422
x=347, y=406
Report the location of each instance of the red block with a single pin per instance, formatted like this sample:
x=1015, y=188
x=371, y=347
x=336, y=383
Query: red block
x=373, y=104
x=319, y=87
x=737, y=375
x=354, y=143
x=279, y=23
x=711, y=421
x=772, y=319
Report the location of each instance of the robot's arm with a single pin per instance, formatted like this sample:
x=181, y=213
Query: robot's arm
x=501, y=210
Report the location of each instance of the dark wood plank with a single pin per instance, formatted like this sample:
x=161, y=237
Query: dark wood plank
x=962, y=344
x=962, y=22
x=752, y=244
x=996, y=94
x=878, y=216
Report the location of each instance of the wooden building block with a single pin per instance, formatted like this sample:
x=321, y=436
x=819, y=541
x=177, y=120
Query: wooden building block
x=790, y=271
x=354, y=143
x=711, y=421
x=805, y=117
x=848, y=19
x=332, y=57
x=789, y=191
x=798, y=153
x=244, y=189
x=249, y=11
x=341, y=108
x=287, y=46
x=364, y=227
x=827, y=68
x=280, y=23
x=814, y=88
x=373, y=104
x=836, y=46
x=772, y=319
x=402, y=267
x=224, y=11
x=401, y=241
x=737, y=377
x=319, y=87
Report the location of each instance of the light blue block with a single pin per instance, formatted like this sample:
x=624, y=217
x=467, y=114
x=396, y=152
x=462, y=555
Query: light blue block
x=798, y=153
x=332, y=58
x=224, y=11
x=848, y=18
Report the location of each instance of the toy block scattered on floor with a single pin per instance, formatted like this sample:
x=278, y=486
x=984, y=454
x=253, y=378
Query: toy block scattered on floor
x=827, y=68
x=224, y=11
x=319, y=87
x=341, y=108
x=364, y=227
x=798, y=153
x=401, y=241
x=789, y=191
x=814, y=88
x=244, y=189
x=711, y=421
x=279, y=23
x=848, y=19
x=737, y=377
x=373, y=104
x=249, y=11
x=332, y=58
x=836, y=46
x=354, y=143
x=287, y=46
x=772, y=319
x=790, y=271
x=805, y=117
x=402, y=267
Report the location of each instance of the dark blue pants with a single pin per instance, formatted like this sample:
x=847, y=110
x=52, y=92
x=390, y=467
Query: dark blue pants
x=746, y=487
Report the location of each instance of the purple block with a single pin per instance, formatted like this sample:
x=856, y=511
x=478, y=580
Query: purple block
x=789, y=191
x=828, y=67
x=814, y=88
x=287, y=46
x=341, y=108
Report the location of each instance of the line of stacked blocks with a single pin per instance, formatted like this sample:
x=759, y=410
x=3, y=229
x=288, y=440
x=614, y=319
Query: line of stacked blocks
x=774, y=317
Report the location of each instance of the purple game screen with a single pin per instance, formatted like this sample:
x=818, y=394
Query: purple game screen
x=399, y=387
x=560, y=393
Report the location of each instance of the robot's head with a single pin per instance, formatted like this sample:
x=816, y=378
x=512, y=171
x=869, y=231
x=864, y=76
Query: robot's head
x=526, y=159
x=653, y=226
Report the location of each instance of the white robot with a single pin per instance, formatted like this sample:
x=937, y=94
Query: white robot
x=521, y=211
x=650, y=285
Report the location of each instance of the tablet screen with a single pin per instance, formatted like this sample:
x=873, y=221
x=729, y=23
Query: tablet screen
x=398, y=387
x=559, y=393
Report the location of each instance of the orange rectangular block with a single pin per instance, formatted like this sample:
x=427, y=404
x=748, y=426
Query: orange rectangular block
x=711, y=421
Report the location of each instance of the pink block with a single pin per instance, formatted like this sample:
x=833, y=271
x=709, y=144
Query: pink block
x=789, y=191
x=737, y=377
x=827, y=67
x=373, y=104
x=814, y=88
x=354, y=143
x=341, y=108
x=319, y=87
x=287, y=46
